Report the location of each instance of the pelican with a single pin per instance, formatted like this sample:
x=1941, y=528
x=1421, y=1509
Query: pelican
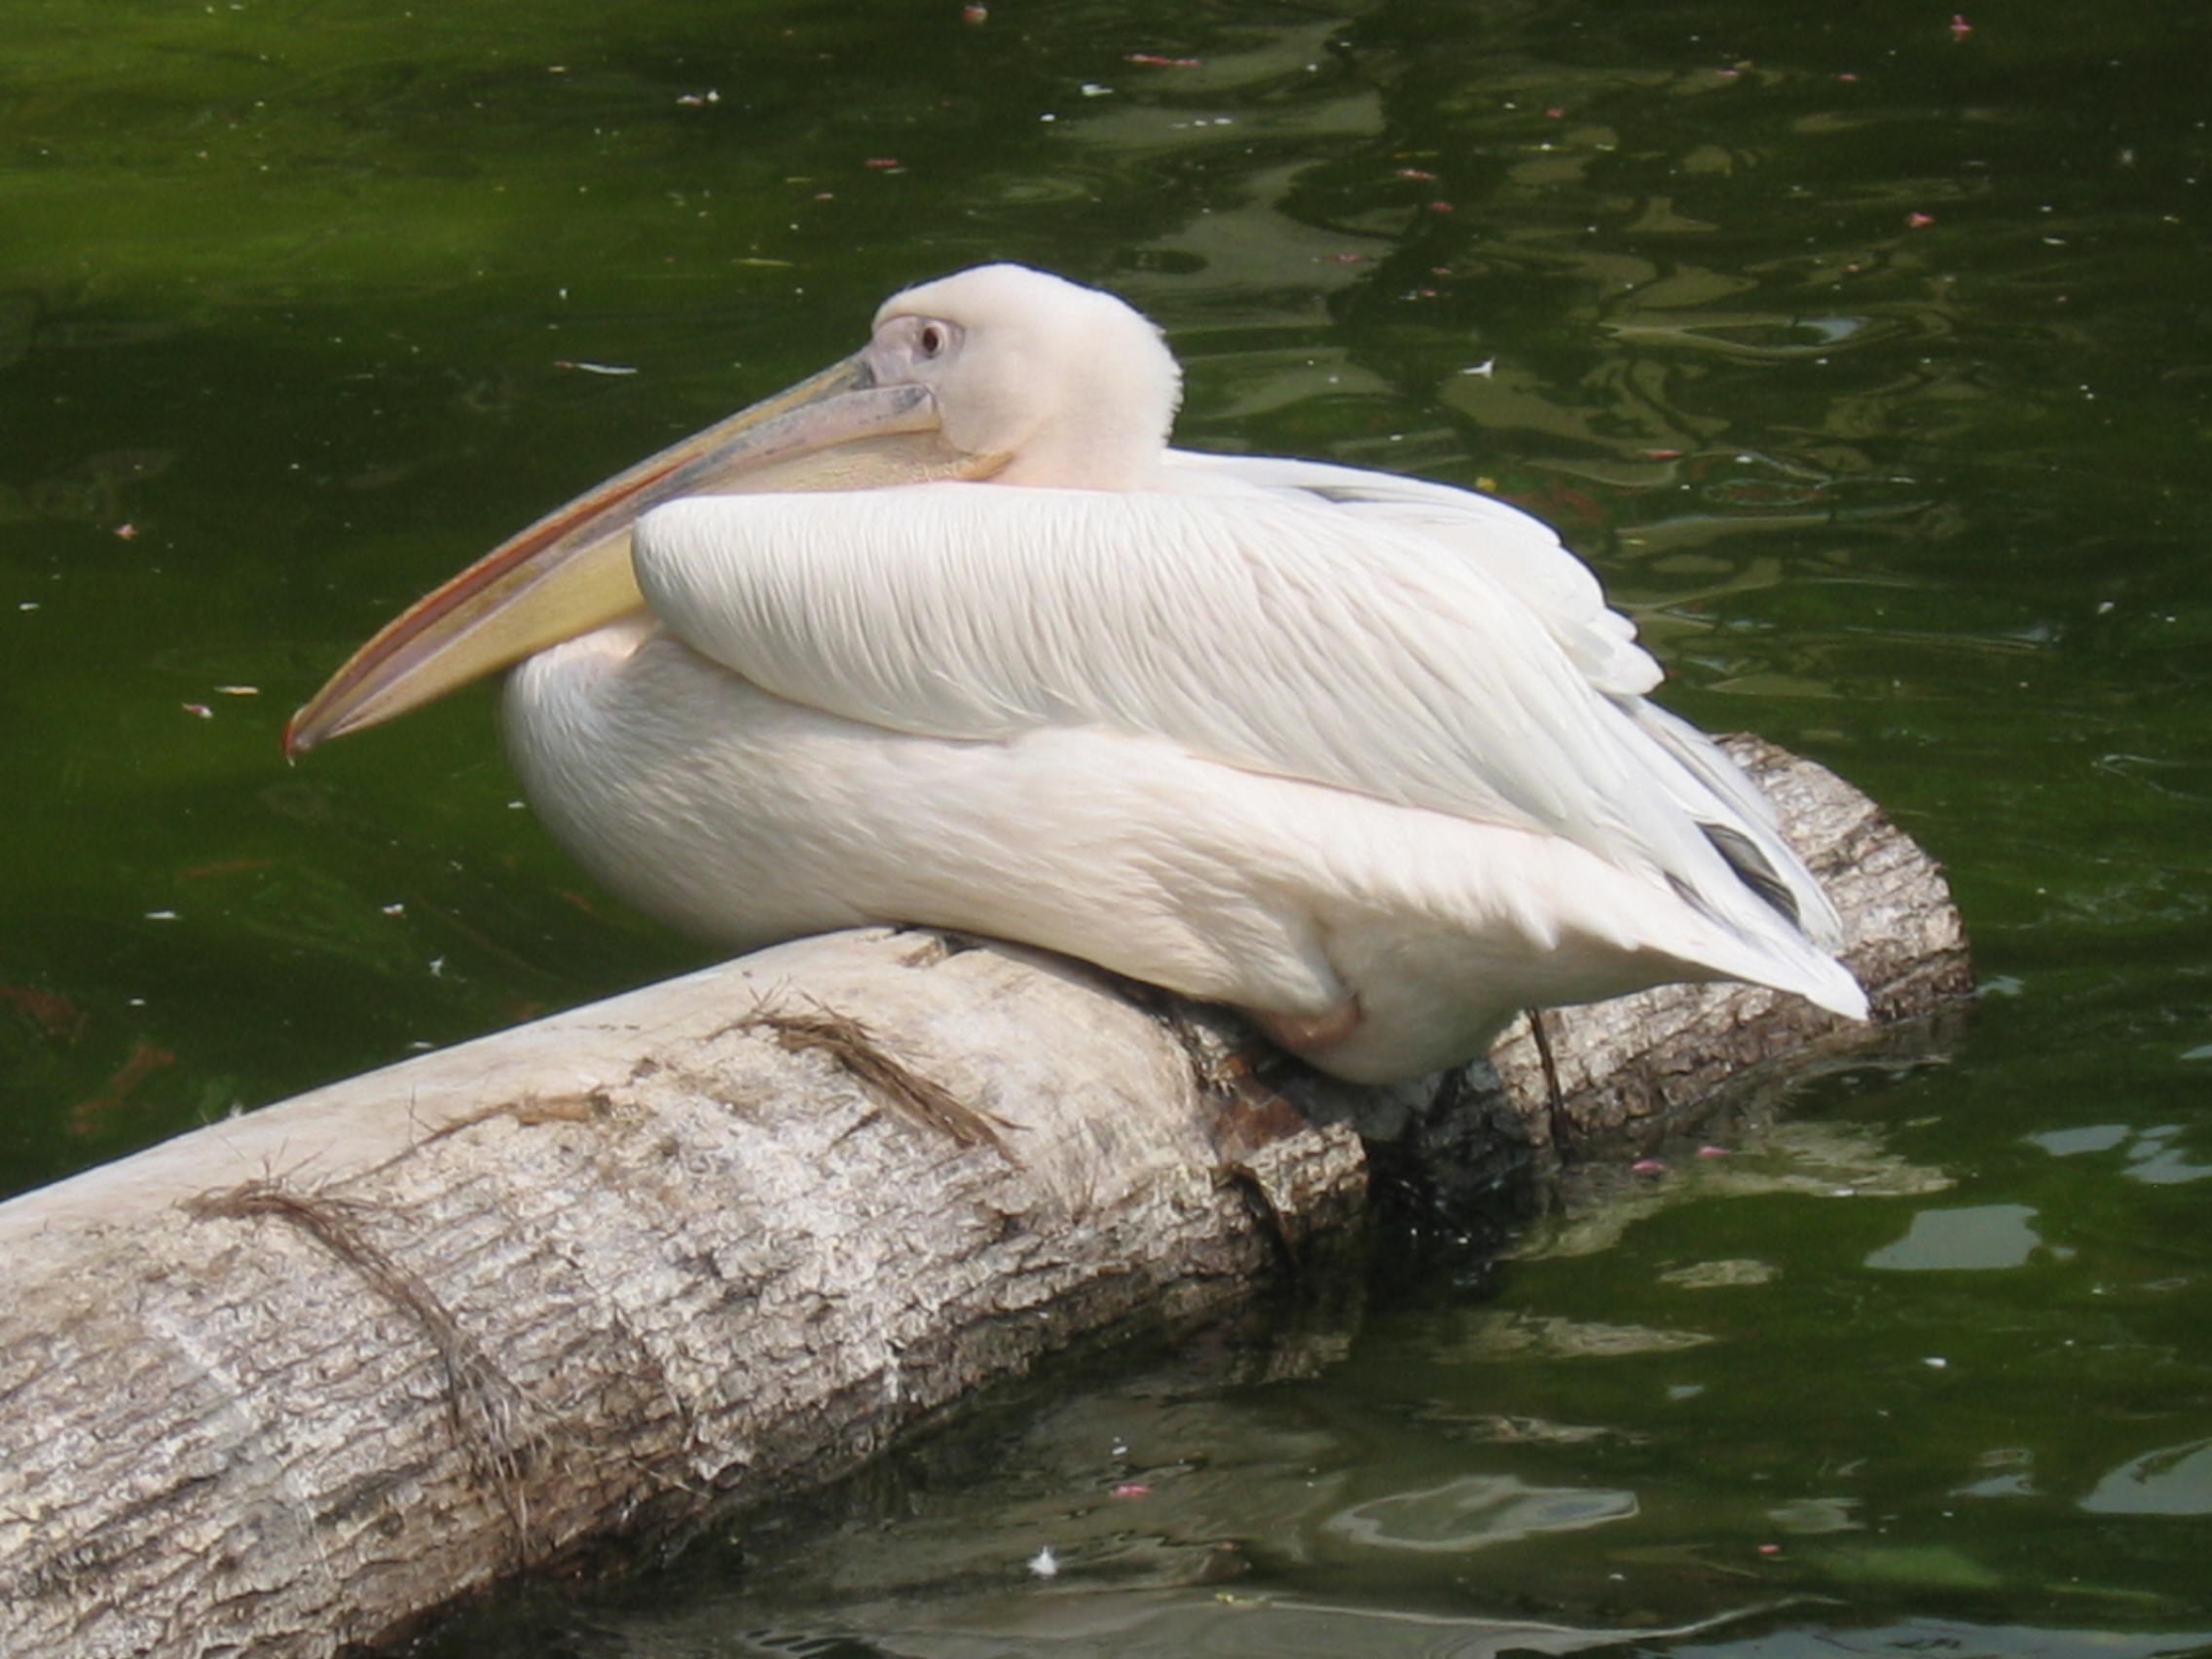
x=949, y=635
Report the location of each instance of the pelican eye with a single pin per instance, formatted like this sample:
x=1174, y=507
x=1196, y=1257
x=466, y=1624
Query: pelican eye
x=933, y=338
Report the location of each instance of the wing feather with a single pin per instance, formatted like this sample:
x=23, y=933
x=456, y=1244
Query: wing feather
x=1520, y=553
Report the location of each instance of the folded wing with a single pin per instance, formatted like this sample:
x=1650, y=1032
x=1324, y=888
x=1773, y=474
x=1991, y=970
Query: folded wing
x=1271, y=632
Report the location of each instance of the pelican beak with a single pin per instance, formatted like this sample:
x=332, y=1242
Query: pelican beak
x=569, y=571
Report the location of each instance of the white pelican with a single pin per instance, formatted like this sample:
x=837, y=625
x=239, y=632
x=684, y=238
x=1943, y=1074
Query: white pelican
x=1364, y=757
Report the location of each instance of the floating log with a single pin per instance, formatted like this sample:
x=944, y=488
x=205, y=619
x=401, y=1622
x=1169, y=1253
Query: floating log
x=281, y=1386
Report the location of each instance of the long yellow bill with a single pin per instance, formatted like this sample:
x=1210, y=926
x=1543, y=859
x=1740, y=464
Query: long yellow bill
x=569, y=571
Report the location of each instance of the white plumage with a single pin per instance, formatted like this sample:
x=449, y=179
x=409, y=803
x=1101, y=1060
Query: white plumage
x=1365, y=757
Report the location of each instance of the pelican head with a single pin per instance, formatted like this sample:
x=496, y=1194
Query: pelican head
x=1060, y=384
x=998, y=373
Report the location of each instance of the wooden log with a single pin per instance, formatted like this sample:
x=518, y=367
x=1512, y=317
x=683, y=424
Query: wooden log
x=283, y=1384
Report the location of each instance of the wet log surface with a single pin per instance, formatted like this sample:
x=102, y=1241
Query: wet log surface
x=283, y=1385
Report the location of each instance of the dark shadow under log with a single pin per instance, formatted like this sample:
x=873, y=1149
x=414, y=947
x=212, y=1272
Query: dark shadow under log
x=283, y=1384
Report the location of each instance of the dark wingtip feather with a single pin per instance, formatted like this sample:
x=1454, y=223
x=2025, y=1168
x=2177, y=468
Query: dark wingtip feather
x=1752, y=868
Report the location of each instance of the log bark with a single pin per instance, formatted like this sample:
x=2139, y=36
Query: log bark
x=279, y=1386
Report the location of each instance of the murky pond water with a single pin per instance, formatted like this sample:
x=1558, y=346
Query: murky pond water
x=1867, y=352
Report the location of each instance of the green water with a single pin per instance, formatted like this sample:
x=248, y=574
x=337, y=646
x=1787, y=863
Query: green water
x=1868, y=359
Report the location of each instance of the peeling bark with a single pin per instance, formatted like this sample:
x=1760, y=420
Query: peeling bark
x=280, y=1386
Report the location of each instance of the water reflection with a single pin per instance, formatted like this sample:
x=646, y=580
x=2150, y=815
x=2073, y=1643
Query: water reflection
x=1831, y=1161
x=1919, y=1637
x=1719, y=1275
x=1810, y=1517
x=1980, y=1238
x=1474, y=1511
x=2174, y=1480
x=88, y=491
x=1150, y=1625
x=1491, y=1339
x=1761, y=335
x=2153, y=1154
